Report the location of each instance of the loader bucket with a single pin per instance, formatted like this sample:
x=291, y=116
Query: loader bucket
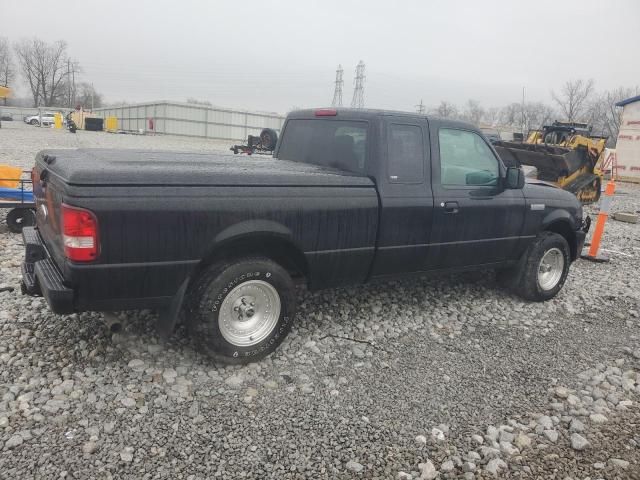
x=550, y=161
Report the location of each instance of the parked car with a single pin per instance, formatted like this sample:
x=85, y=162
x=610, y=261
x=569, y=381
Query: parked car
x=46, y=119
x=351, y=196
x=6, y=117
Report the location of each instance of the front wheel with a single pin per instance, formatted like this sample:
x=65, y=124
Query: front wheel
x=240, y=311
x=34, y=122
x=542, y=270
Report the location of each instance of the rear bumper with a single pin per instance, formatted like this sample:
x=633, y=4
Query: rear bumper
x=40, y=276
x=91, y=287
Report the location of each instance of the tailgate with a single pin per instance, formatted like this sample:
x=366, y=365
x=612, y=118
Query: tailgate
x=48, y=195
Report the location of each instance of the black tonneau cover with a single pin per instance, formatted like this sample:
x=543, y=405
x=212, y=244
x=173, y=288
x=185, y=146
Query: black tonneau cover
x=151, y=167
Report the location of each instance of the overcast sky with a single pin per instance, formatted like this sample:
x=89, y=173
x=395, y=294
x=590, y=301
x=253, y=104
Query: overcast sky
x=274, y=55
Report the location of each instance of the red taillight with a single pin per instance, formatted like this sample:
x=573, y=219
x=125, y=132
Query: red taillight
x=79, y=234
x=326, y=112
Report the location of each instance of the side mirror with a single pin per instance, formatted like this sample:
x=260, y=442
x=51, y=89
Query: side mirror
x=514, y=179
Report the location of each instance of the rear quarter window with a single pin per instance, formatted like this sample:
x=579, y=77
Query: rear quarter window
x=405, y=150
x=340, y=144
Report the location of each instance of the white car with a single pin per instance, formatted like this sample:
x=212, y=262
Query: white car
x=46, y=119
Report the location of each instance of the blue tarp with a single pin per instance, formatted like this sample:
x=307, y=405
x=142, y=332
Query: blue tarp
x=16, y=194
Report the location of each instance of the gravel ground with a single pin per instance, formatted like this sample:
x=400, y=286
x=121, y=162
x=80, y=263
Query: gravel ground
x=429, y=378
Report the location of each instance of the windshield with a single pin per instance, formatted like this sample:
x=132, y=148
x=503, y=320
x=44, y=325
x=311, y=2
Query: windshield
x=331, y=143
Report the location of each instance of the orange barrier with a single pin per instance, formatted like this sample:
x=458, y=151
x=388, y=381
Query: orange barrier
x=605, y=206
x=10, y=176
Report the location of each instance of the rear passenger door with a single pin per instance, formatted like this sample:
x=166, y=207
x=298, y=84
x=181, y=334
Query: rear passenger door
x=404, y=184
x=475, y=220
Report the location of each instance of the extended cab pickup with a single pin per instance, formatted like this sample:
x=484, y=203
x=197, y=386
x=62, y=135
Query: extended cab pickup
x=350, y=196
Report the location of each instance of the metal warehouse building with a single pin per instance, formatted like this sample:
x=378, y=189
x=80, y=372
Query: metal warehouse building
x=192, y=120
x=628, y=145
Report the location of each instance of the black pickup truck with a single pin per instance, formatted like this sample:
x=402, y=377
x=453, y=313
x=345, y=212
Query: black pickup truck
x=350, y=196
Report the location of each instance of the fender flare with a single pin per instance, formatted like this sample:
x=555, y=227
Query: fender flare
x=245, y=230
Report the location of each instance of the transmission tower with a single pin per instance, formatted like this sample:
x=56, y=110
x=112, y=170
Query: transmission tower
x=420, y=108
x=358, y=91
x=337, y=93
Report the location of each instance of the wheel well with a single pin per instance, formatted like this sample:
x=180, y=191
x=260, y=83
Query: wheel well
x=563, y=228
x=278, y=249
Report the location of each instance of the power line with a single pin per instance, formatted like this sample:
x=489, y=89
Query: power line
x=420, y=108
x=337, y=92
x=358, y=91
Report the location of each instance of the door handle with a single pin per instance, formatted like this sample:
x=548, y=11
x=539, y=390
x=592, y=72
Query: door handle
x=450, y=207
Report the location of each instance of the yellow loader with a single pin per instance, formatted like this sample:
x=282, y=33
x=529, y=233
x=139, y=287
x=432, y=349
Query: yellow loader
x=566, y=154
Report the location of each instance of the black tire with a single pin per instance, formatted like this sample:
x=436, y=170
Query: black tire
x=18, y=218
x=206, y=296
x=34, y=122
x=525, y=279
x=268, y=138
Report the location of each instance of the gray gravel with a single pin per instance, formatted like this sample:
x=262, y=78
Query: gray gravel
x=449, y=378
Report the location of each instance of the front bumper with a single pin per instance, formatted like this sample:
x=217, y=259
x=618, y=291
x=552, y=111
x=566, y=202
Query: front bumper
x=40, y=276
x=581, y=234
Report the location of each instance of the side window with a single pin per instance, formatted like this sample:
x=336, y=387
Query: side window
x=466, y=159
x=405, y=149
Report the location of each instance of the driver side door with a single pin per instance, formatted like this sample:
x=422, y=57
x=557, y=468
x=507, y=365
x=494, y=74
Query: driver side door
x=475, y=220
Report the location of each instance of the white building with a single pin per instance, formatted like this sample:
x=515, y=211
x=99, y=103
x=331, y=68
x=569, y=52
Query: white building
x=628, y=146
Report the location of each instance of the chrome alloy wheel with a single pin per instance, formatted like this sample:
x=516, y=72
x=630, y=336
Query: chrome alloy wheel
x=550, y=269
x=249, y=313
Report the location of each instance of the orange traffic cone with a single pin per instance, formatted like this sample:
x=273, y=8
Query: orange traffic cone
x=605, y=206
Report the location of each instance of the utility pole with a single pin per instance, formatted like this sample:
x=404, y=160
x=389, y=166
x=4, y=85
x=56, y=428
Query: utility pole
x=337, y=92
x=522, y=111
x=92, y=96
x=420, y=108
x=69, y=82
x=358, y=91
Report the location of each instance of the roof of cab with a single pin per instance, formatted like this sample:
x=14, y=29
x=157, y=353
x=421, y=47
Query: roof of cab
x=367, y=113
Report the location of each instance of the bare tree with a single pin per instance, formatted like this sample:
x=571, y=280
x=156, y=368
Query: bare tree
x=87, y=96
x=473, y=112
x=537, y=115
x=7, y=72
x=491, y=116
x=573, y=98
x=44, y=67
x=511, y=115
x=605, y=116
x=446, y=110
x=531, y=116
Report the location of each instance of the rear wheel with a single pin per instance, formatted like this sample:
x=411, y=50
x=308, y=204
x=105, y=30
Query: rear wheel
x=542, y=270
x=34, y=122
x=19, y=218
x=240, y=311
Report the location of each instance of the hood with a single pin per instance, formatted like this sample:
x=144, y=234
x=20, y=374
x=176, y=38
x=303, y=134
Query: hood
x=535, y=181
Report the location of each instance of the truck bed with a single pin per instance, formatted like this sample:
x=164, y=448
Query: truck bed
x=152, y=167
x=161, y=213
